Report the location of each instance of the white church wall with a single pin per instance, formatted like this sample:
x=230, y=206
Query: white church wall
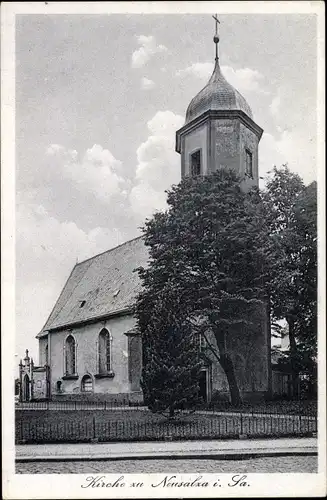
x=43, y=342
x=193, y=141
x=86, y=338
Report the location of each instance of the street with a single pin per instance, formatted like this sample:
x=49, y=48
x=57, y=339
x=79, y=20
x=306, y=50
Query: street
x=272, y=464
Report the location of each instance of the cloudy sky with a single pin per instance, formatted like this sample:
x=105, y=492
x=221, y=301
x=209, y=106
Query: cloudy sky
x=98, y=101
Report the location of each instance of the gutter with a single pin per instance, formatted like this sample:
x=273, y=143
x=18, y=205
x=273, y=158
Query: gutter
x=121, y=312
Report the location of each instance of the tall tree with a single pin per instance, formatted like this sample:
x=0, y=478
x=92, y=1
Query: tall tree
x=170, y=375
x=209, y=251
x=290, y=215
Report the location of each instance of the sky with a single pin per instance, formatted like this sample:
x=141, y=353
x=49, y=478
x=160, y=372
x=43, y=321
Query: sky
x=98, y=101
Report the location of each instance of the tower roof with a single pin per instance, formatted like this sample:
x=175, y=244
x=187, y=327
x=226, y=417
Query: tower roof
x=218, y=94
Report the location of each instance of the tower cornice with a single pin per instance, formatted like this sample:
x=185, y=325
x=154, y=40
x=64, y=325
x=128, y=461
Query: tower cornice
x=209, y=115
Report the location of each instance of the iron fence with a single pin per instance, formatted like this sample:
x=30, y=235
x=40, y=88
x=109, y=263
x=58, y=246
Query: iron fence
x=295, y=407
x=222, y=426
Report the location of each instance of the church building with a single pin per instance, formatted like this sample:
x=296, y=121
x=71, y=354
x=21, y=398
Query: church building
x=89, y=347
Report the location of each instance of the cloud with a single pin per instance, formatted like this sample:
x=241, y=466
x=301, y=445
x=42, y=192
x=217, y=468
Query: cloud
x=54, y=149
x=288, y=147
x=97, y=172
x=147, y=84
x=275, y=106
x=148, y=48
x=46, y=251
x=158, y=166
x=199, y=70
x=243, y=79
x=294, y=139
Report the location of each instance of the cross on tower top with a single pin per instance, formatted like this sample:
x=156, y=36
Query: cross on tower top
x=217, y=22
x=216, y=37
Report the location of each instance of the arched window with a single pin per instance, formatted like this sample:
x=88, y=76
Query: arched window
x=70, y=355
x=46, y=354
x=104, y=352
x=87, y=384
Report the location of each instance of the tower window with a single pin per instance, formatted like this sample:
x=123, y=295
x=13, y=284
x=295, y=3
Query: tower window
x=248, y=163
x=196, y=163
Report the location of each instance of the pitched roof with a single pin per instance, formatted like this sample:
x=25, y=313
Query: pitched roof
x=99, y=286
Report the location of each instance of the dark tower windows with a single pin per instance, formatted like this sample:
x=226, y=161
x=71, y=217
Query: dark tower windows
x=248, y=163
x=196, y=163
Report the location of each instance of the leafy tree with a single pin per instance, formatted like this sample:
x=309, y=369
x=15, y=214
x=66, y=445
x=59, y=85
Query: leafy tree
x=290, y=214
x=306, y=228
x=207, y=252
x=170, y=376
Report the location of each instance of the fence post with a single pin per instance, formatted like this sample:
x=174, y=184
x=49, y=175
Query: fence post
x=94, y=433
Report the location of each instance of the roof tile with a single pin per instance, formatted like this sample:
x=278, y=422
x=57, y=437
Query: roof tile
x=96, y=281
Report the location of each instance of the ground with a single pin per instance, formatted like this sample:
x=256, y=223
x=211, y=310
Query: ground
x=41, y=426
x=272, y=464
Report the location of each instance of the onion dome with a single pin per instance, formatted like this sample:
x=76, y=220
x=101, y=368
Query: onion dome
x=218, y=94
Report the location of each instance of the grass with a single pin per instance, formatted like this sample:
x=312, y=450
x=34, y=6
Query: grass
x=129, y=425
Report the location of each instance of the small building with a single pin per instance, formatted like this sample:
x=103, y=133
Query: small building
x=33, y=380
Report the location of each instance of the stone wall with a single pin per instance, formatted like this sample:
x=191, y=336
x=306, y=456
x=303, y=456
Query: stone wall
x=226, y=141
x=250, y=351
x=40, y=383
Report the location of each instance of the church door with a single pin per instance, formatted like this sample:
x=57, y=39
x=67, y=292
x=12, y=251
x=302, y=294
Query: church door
x=26, y=388
x=203, y=385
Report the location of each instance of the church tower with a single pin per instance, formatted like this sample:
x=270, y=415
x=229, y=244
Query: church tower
x=219, y=131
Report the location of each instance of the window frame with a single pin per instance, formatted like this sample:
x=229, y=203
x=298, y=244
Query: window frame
x=70, y=373
x=248, y=156
x=104, y=366
x=87, y=377
x=191, y=157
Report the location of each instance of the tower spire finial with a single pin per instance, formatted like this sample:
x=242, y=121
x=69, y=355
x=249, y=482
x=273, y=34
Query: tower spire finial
x=216, y=37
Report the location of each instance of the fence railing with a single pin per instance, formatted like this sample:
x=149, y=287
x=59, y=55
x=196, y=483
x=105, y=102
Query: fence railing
x=222, y=426
x=296, y=407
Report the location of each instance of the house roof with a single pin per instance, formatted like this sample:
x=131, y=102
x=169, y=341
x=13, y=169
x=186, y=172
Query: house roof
x=99, y=286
